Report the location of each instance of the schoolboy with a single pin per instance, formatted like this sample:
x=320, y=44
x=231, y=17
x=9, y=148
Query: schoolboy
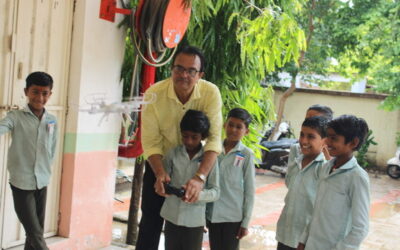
x=340, y=217
x=184, y=221
x=229, y=217
x=301, y=180
x=34, y=133
x=313, y=110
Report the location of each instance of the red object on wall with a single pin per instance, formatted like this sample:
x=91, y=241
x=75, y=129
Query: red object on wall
x=176, y=20
x=108, y=9
x=148, y=75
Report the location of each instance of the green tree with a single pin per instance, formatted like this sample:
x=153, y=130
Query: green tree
x=363, y=37
x=375, y=53
x=243, y=41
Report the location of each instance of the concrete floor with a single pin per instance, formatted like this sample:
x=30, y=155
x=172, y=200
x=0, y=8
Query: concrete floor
x=271, y=190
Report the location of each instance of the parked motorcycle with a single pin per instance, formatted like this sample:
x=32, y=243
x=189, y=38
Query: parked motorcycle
x=393, y=166
x=275, y=158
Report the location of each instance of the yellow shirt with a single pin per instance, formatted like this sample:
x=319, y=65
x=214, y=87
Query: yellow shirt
x=161, y=119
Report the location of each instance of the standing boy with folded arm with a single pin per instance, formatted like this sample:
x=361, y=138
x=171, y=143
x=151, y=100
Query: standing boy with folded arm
x=34, y=134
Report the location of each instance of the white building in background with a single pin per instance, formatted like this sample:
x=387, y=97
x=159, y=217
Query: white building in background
x=310, y=81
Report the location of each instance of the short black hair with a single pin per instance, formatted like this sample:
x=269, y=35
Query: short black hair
x=39, y=78
x=350, y=127
x=195, y=121
x=241, y=114
x=324, y=110
x=191, y=50
x=318, y=123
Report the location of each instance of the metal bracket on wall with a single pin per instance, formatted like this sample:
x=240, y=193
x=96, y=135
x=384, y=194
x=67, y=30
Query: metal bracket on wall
x=108, y=9
x=9, y=107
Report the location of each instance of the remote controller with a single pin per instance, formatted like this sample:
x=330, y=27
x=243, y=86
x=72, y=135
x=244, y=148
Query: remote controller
x=179, y=192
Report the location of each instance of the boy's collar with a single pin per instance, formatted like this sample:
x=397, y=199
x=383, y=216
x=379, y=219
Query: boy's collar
x=27, y=109
x=238, y=147
x=348, y=165
x=197, y=155
x=318, y=158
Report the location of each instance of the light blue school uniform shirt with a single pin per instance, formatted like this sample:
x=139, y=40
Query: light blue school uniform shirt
x=181, y=169
x=340, y=220
x=299, y=201
x=237, y=184
x=32, y=147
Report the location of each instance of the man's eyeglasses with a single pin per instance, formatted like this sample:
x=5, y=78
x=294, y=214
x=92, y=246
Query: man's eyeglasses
x=180, y=70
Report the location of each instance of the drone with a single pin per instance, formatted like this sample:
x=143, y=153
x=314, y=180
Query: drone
x=98, y=105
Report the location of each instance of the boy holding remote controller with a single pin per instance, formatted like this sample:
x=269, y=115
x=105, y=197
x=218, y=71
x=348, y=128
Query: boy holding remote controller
x=184, y=222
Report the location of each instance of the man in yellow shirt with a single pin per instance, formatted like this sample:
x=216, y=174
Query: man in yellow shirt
x=161, y=132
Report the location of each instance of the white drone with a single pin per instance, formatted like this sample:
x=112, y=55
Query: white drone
x=98, y=105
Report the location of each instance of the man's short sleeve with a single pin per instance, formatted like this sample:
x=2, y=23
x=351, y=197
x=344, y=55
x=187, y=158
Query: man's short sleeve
x=213, y=110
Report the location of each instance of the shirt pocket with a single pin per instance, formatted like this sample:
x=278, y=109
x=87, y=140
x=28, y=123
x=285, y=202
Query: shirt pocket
x=308, y=192
x=336, y=204
x=234, y=178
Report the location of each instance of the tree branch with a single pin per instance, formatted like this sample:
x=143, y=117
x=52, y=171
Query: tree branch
x=292, y=87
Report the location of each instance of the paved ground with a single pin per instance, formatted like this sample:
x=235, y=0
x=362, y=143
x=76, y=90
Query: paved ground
x=384, y=217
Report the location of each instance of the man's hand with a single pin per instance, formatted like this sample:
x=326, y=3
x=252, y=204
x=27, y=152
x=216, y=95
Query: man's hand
x=301, y=246
x=192, y=189
x=159, y=184
x=161, y=176
x=196, y=184
x=242, y=232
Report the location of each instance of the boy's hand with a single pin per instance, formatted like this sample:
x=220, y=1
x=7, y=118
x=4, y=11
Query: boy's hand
x=301, y=246
x=242, y=232
x=159, y=184
x=326, y=152
x=192, y=188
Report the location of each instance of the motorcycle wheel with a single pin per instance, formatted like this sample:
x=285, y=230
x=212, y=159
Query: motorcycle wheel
x=393, y=171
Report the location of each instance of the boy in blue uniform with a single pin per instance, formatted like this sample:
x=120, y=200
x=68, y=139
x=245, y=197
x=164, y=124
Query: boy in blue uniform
x=229, y=217
x=184, y=221
x=33, y=131
x=340, y=218
x=301, y=180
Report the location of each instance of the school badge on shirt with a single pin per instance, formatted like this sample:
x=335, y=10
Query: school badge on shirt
x=239, y=159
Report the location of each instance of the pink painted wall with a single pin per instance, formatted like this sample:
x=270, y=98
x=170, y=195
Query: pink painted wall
x=87, y=189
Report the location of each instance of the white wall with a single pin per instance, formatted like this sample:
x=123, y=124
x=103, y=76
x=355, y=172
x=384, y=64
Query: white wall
x=96, y=61
x=384, y=124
